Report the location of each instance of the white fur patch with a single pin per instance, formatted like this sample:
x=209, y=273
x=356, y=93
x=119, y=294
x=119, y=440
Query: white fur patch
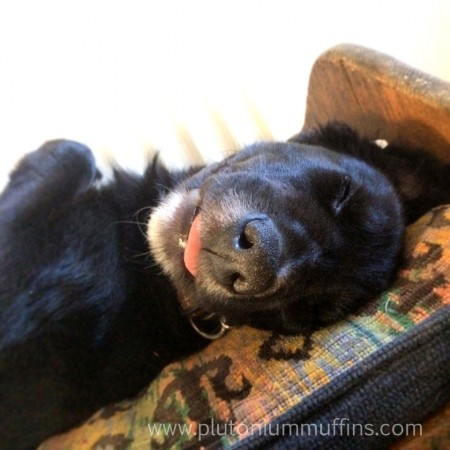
x=161, y=222
x=382, y=143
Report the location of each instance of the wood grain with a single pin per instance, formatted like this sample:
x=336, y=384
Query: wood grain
x=380, y=97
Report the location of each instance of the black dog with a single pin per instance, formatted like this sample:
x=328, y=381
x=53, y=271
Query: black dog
x=286, y=236
x=289, y=236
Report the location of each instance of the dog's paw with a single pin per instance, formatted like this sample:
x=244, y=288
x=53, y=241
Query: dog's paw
x=61, y=163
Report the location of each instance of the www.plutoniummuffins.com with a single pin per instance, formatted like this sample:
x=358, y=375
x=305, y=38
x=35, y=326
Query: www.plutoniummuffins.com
x=340, y=426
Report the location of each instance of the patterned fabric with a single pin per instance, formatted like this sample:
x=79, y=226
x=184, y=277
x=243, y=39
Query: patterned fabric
x=378, y=372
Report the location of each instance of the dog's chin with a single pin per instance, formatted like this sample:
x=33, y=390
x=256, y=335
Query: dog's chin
x=210, y=297
x=190, y=291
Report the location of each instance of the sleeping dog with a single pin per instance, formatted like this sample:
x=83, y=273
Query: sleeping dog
x=101, y=287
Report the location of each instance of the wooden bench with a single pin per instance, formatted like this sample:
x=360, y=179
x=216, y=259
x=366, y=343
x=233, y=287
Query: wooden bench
x=381, y=98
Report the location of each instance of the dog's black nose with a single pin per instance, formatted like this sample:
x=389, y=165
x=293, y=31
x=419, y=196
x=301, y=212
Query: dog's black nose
x=245, y=256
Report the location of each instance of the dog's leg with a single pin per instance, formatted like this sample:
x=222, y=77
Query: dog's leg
x=56, y=172
x=47, y=279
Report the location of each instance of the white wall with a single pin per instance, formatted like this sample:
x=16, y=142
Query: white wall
x=120, y=75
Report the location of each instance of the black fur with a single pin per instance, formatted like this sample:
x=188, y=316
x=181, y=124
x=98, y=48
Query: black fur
x=294, y=235
x=86, y=318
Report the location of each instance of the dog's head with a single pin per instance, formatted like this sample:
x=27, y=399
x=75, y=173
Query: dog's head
x=282, y=231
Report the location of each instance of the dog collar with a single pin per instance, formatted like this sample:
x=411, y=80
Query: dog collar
x=208, y=325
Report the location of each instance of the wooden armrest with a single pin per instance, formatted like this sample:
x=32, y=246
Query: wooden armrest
x=381, y=98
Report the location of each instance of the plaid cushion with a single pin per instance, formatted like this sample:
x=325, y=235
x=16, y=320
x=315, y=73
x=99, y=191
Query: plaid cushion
x=360, y=383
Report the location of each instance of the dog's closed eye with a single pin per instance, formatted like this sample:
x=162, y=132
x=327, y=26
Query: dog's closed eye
x=344, y=194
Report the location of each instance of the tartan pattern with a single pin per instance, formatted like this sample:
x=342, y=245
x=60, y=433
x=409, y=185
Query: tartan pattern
x=256, y=377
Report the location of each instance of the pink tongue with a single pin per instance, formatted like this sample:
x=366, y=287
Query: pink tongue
x=193, y=247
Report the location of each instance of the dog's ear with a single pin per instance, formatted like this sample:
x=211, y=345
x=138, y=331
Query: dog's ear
x=334, y=135
x=339, y=137
x=304, y=137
